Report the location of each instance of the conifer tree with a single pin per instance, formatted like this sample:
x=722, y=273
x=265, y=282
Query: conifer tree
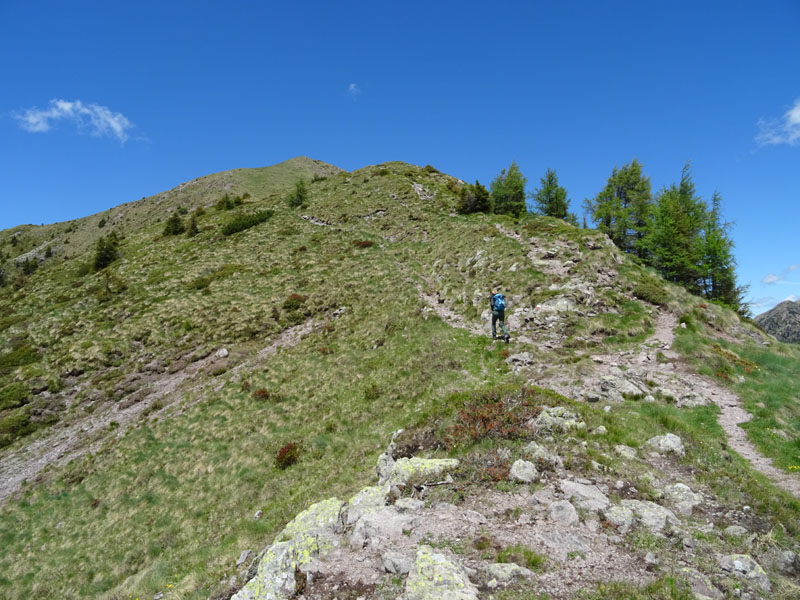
x=192, y=230
x=508, y=192
x=474, y=198
x=174, y=225
x=551, y=199
x=106, y=251
x=623, y=209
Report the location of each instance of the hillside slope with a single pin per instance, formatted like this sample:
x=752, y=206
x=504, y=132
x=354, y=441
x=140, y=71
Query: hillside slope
x=150, y=409
x=783, y=321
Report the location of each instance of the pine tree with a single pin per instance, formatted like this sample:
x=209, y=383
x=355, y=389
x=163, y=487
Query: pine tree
x=551, y=199
x=192, y=230
x=508, y=192
x=299, y=196
x=474, y=198
x=174, y=225
x=623, y=209
x=106, y=251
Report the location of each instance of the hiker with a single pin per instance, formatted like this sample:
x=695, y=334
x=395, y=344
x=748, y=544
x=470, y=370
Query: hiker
x=497, y=301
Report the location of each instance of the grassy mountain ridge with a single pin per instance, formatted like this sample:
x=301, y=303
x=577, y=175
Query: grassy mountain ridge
x=341, y=321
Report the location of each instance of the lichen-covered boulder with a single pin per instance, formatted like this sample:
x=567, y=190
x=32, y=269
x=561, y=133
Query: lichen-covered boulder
x=651, y=515
x=563, y=513
x=523, y=472
x=587, y=497
x=381, y=525
x=557, y=419
x=325, y=515
x=682, y=498
x=413, y=469
x=625, y=451
x=620, y=517
x=275, y=578
x=745, y=567
x=667, y=443
x=434, y=577
x=369, y=499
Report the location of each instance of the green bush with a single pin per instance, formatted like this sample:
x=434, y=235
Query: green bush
x=299, y=196
x=228, y=203
x=13, y=396
x=19, y=356
x=174, y=225
x=16, y=425
x=294, y=302
x=242, y=222
x=651, y=292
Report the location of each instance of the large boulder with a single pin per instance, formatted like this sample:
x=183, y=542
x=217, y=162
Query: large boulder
x=539, y=454
x=523, y=472
x=563, y=513
x=621, y=517
x=557, y=419
x=434, y=577
x=368, y=500
x=700, y=585
x=744, y=566
x=507, y=572
x=682, y=498
x=651, y=515
x=587, y=497
x=407, y=470
x=667, y=443
x=380, y=526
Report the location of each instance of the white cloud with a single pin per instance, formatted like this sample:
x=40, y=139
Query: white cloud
x=793, y=267
x=98, y=120
x=353, y=90
x=770, y=279
x=791, y=298
x=785, y=130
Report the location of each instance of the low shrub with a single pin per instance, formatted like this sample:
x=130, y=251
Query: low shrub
x=242, y=222
x=363, y=243
x=651, y=292
x=288, y=455
x=13, y=396
x=294, y=302
x=494, y=414
x=261, y=394
x=431, y=169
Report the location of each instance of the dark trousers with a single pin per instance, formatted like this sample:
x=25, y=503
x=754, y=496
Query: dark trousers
x=499, y=315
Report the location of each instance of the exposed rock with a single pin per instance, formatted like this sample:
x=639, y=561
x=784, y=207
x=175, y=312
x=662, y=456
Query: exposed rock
x=735, y=531
x=682, y=498
x=409, y=505
x=244, y=557
x=325, y=515
x=394, y=562
x=434, y=577
x=620, y=517
x=587, y=497
x=367, y=500
x=523, y=471
x=474, y=517
x=601, y=430
x=692, y=400
x=523, y=359
x=407, y=469
x=221, y=353
x=625, y=451
x=667, y=443
x=700, y=585
x=557, y=419
x=651, y=515
x=787, y=563
x=507, y=572
x=745, y=567
x=539, y=453
x=562, y=512
x=382, y=524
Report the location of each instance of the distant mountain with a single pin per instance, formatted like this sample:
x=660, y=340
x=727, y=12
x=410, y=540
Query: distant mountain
x=783, y=321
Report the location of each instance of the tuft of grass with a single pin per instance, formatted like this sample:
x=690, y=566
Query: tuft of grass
x=523, y=556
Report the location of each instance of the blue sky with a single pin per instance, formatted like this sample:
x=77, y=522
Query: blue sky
x=153, y=94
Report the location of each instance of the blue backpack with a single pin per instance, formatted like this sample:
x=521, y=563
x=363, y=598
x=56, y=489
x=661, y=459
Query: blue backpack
x=499, y=302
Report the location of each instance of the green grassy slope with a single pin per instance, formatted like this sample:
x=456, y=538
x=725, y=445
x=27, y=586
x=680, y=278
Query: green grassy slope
x=168, y=504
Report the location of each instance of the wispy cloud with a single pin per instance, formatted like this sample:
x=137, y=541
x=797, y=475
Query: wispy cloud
x=354, y=90
x=99, y=121
x=771, y=278
x=784, y=130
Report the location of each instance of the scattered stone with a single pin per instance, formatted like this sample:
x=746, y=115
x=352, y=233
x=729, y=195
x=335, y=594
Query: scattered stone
x=587, y=497
x=221, y=353
x=158, y=596
x=651, y=560
x=745, y=567
x=787, y=563
x=383, y=524
x=667, y=443
x=620, y=517
x=507, y=572
x=258, y=514
x=433, y=576
x=692, y=400
x=409, y=505
x=523, y=359
x=601, y=430
x=523, y=472
x=701, y=585
x=625, y=451
x=651, y=515
x=474, y=517
x=394, y=562
x=244, y=557
x=406, y=469
x=735, y=531
x=682, y=498
x=563, y=513
x=557, y=419
x=539, y=453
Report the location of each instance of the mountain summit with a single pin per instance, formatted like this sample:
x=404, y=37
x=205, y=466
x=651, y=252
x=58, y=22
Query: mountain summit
x=783, y=321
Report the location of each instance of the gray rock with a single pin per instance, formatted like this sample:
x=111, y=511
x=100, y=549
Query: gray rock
x=221, y=353
x=409, y=505
x=745, y=567
x=523, y=471
x=587, y=497
x=523, y=359
x=368, y=500
x=691, y=400
x=385, y=524
x=625, y=451
x=651, y=560
x=406, y=470
x=620, y=517
x=682, y=498
x=244, y=557
x=474, y=517
x=700, y=585
x=507, y=572
x=787, y=563
x=563, y=513
x=434, y=577
x=601, y=430
x=557, y=419
x=538, y=453
x=651, y=515
x=667, y=443
x=394, y=562
x=735, y=531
